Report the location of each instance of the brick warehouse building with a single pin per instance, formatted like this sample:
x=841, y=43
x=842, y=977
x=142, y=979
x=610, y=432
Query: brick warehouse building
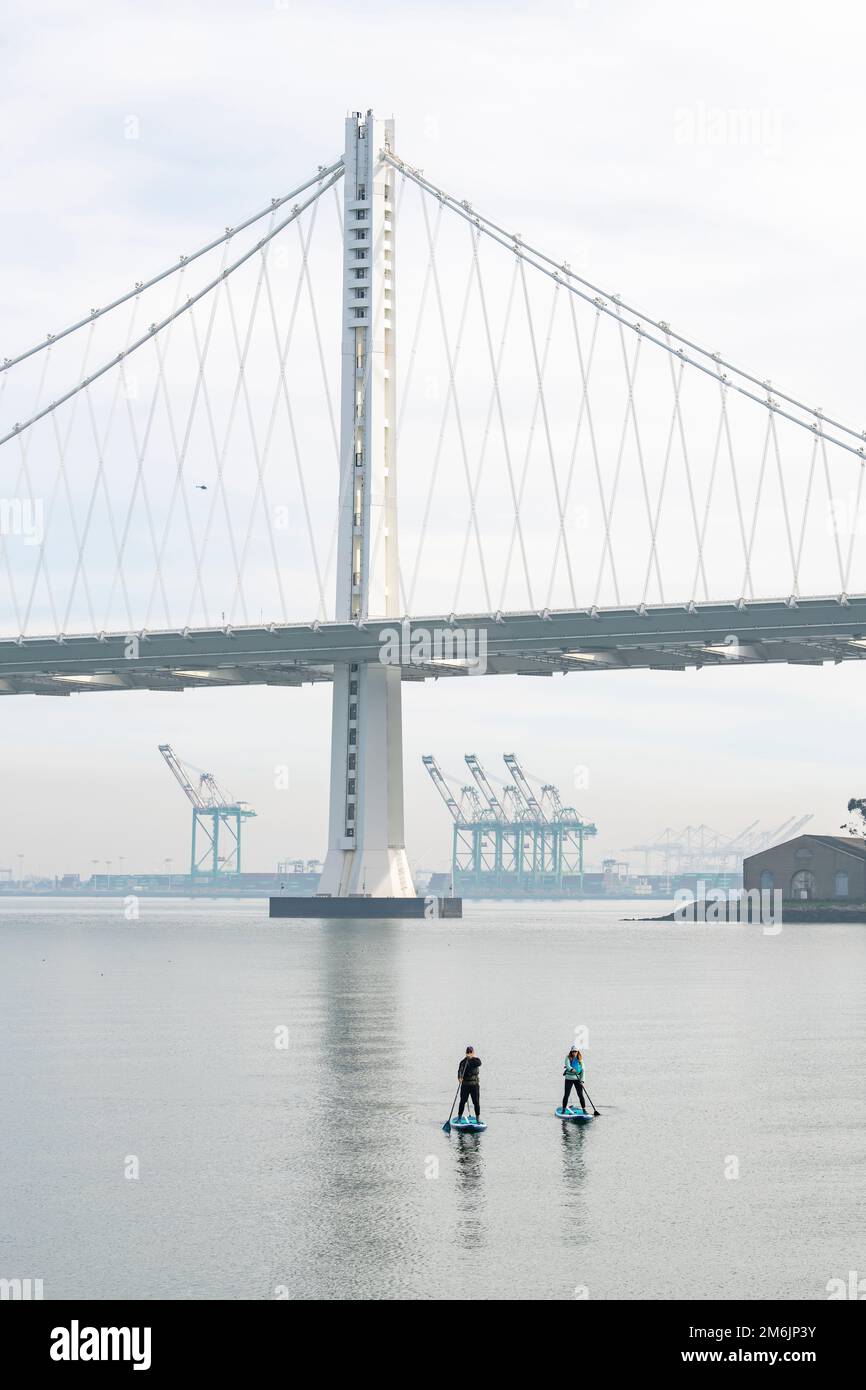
x=811, y=868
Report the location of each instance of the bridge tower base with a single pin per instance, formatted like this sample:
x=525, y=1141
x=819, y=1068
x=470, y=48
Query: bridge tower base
x=366, y=908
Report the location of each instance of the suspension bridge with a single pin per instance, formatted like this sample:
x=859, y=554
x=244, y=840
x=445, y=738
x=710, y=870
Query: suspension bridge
x=200, y=481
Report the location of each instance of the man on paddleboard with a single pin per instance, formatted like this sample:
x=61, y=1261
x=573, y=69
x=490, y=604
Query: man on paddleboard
x=470, y=1089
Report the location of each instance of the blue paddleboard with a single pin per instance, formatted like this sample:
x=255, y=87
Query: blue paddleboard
x=473, y=1126
x=571, y=1114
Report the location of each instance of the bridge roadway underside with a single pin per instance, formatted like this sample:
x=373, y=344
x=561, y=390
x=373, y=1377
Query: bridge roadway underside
x=665, y=637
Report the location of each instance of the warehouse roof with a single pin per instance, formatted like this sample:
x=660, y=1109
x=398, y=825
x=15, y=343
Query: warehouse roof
x=845, y=844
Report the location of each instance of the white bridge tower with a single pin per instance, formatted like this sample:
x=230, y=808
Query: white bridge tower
x=366, y=844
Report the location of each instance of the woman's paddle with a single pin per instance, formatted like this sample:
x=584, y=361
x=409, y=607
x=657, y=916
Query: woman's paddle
x=591, y=1101
x=447, y=1125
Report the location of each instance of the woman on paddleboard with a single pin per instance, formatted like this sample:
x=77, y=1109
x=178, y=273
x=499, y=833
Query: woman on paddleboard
x=573, y=1073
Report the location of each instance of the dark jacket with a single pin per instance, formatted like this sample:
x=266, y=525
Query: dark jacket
x=467, y=1071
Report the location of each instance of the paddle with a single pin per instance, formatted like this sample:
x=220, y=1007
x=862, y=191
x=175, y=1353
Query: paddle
x=591, y=1101
x=447, y=1125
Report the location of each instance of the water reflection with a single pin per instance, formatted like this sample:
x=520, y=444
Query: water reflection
x=573, y=1150
x=575, y=1176
x=468, y=1164
x=355, y=1081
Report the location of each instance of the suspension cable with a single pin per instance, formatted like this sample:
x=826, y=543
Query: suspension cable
x=816, y=425
x=156, y=328
x=180, y=264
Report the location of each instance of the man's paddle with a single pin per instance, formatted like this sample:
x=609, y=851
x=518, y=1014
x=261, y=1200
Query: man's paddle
x=447, y=1125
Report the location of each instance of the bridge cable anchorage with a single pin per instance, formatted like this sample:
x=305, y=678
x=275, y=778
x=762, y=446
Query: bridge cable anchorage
x=156, y=328
x=604, y=301
x=180, y=264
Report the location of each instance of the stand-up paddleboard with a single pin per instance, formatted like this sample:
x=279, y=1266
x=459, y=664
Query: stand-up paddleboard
x=470, y=1126
x=572, y=1113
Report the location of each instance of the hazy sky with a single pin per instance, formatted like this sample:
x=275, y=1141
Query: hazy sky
x=704, y=161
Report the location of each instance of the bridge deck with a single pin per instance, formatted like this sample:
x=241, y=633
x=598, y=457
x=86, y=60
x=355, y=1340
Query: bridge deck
x=665, y=637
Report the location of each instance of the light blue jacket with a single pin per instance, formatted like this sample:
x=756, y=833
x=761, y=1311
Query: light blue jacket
x=573, y=1071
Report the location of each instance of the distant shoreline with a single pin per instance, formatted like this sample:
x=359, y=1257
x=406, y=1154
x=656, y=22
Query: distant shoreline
x=816, y=913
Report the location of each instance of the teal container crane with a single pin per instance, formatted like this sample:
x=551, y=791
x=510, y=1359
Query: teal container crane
x=512, y=843
x=216, y=820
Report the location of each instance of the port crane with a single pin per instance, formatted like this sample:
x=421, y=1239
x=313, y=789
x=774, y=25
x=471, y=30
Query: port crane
x=523, y=787
x=468, y=837
x=512, y=843
x=700, y=848
x=441, y=785
x=484, y=786
x=216, y=819
x=500, y=849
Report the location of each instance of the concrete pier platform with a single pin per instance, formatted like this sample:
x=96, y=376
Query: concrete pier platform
x=365, y=908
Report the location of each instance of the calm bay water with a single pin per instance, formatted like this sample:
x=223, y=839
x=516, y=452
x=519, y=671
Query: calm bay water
x=320, y=1168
